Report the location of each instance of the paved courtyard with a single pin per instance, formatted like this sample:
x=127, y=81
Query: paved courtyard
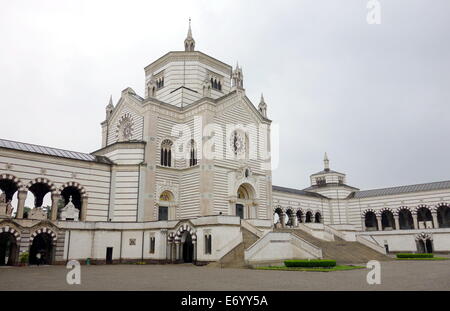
x=395, y=275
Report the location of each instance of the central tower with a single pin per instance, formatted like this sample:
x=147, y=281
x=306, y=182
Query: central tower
x=180, y=78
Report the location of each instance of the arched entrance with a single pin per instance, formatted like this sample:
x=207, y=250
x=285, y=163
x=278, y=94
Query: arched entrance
x=8, y=249
x=42, y=244
x=424, y=243
x=187, y=247
x=244, y=207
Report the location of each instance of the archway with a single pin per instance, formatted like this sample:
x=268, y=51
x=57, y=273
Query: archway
x=370, y=221
x=277, y=215
x=443, y=216
x=309, y=216
x=187, y=247
x=289, y=215
x=405, y=219
x=387, y=220
x=317, y=217
x=244, y=203
x=8, y=249
x=42, y=244
x=424, y=218
x=9, y=186
x=299, y=216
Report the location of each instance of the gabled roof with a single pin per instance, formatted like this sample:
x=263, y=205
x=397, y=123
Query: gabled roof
x=298, y=191
x=401, y=189
x=61, y=153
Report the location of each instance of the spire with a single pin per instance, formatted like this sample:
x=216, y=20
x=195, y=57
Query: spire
x=262, y=107
x=326, y=162
x=189, y=42
x=237, y=77
x=109, y=108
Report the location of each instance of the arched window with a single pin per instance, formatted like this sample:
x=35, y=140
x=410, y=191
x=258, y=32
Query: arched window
x=289, y=216
x=387, y=220
x=165, y=199
x=192, y=153
x=300, y=216
x=424, y=218
x=443, y=215
x=308, y=216
x=405, y=219
x=166, y=153
x=317, y=218
x=370, y=221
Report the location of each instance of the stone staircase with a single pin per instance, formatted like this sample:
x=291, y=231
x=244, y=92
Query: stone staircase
x=344, y=252
x=235, y=257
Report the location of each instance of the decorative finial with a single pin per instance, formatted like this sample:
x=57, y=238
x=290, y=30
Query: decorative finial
x=262, y=106
x=326, y=162
x=70, y=199
x=189, y=42
x=109, y=108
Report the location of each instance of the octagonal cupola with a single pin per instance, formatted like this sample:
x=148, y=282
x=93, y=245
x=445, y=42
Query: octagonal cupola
x=330, y=183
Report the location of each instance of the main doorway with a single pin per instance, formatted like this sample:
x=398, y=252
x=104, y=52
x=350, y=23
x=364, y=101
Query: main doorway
x=240, y=210
x=188, y=247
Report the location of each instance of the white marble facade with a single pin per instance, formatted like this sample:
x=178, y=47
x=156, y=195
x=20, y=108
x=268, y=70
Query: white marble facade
x=151, y=194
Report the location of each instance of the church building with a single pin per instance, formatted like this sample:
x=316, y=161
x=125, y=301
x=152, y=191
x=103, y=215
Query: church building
x=183, y=174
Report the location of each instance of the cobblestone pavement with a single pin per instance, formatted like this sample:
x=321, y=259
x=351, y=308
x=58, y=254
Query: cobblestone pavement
x=395, y=275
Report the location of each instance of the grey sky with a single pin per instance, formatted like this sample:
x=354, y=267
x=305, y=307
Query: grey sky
x=375, y=97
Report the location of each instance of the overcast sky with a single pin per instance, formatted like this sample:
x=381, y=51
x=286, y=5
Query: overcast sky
x=375, y=97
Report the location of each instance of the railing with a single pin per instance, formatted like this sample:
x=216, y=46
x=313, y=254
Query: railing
x=372, y=245
x=246, y=225
x=305, y=245
x=337, y=233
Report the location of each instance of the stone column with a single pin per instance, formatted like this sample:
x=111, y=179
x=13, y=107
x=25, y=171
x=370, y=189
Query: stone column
x=363, y=223
x=169, y=251
x=194, y=252
x=84, y=207
x=380, y=225
x=282, y=218
x=55, y=200
x=21, y=197
x=397, y=222
x=177, y=251
x=294, y=221
x=416, y=225
x=435, y=220
x=303, y=218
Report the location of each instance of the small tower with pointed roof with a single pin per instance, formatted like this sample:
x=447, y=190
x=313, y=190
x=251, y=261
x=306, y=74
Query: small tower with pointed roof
x=109, y=108
x=237, y=77
x=189, y=42
x=262, y=107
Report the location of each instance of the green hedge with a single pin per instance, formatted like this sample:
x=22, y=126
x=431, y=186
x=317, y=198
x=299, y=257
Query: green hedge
x=410, y=255
x=310, y=263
